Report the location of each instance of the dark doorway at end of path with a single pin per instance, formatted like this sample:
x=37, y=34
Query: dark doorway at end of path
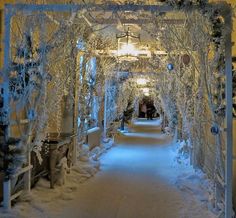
x=147, y=108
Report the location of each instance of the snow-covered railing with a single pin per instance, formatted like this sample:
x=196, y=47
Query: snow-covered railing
x=94, y=129
x=93, y=137
x=8, y=197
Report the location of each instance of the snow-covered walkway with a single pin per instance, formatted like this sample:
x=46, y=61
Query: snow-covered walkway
x=137, y=180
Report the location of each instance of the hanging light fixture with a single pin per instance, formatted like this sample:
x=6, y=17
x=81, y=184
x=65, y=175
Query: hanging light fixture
x=142, y=81
x=127, y=46
x=146, y=91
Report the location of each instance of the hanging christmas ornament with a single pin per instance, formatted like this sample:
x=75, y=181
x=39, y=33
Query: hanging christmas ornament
x=215, y=129
x=31, y=114
x=170, y=66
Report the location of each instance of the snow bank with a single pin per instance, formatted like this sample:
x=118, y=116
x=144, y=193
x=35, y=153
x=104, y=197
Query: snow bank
x=182, y=151
x=43, y=199
x=88, y=161
x=192, y=182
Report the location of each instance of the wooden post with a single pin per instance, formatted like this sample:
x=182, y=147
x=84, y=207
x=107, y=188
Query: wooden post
x=6, y=101
x=27, y=175
x=229, y=118
x=7, y=194
x=76, y=110
x=52, y=163
x=122, y=124
x=105, y=110
x=75, y=125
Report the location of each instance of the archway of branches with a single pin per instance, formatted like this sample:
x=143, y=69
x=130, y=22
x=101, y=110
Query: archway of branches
x=62, y=75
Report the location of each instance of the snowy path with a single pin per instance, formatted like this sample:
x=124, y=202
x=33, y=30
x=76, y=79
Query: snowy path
x=137, y=180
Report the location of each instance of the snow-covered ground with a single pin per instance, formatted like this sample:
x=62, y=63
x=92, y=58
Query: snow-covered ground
x=140, y=177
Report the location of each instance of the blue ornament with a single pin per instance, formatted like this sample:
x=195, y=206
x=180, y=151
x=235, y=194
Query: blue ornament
x=215, y=129
x=31, y=114
x=170, y=66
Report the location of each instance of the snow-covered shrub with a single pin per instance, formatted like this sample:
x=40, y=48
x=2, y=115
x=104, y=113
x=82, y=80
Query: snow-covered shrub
x=63, y=170
x=183, y=152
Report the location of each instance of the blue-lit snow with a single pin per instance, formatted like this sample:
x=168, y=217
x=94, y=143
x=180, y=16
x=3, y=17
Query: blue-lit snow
x=140, y=177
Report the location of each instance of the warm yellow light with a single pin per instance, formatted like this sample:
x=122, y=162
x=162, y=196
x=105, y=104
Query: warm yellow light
x=141, y=81
x=145, y=90
x=128, y=49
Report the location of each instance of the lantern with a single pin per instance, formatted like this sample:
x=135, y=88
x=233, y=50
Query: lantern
x=127, y=46
x=146, y=91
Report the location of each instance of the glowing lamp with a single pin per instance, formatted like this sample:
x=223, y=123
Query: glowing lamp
x=141, y=81
x=146, y=91
x=127, y=46
x=127, y=50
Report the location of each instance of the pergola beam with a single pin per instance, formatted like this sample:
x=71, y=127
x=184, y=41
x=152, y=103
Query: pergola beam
x=135, y=21
x=96, y=7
